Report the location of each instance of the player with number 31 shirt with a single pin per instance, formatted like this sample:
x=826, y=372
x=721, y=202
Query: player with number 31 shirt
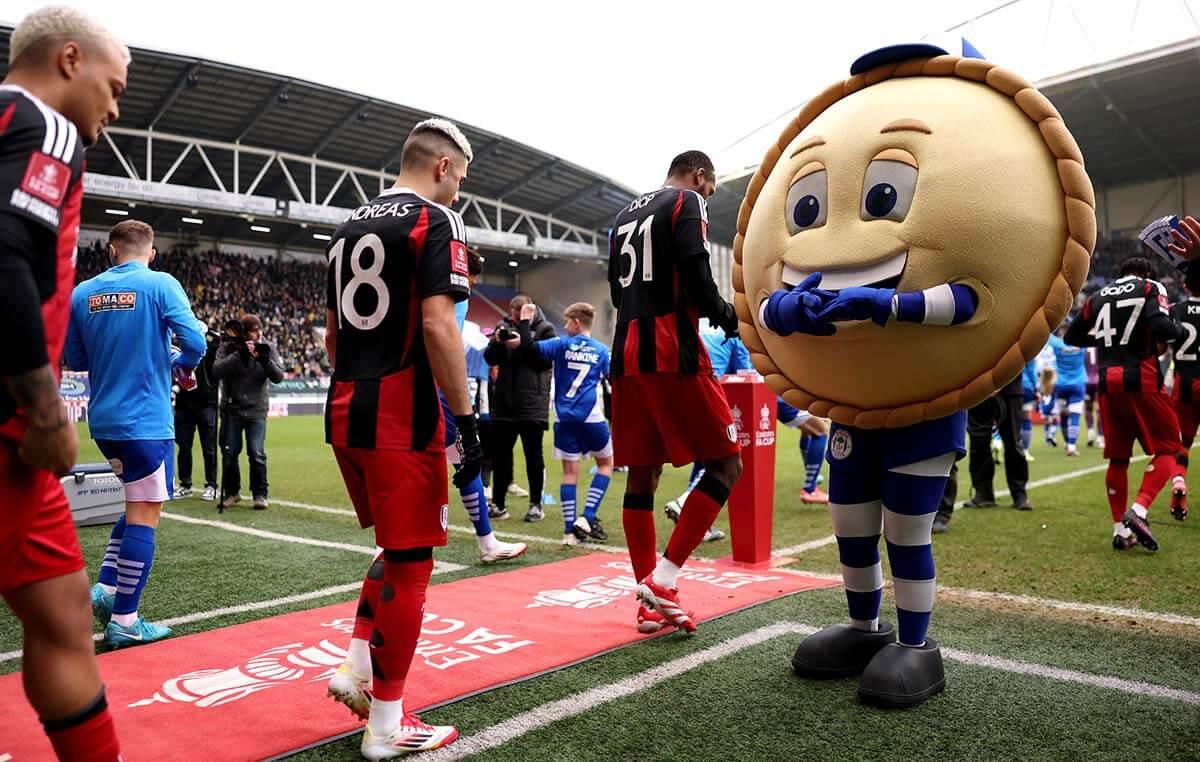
x=1128, y=322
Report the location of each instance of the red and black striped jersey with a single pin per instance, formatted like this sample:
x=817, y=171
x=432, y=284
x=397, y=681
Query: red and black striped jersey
x=651, y=243
x=1125, y=322
x=391, y=254
x=41, y=196
x=1187, y=345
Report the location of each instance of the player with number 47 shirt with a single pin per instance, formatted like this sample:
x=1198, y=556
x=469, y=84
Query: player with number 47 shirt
x=397, y=267
x=1129, y=323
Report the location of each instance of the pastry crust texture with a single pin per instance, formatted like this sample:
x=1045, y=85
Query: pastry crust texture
x=1026, y=263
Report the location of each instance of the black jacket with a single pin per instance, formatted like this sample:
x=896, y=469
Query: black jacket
x=521, y=391
x=205, y=393
x=245, y=379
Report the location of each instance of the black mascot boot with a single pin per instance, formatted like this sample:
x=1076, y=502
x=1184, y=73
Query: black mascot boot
x=900, y=677
x=840, y=650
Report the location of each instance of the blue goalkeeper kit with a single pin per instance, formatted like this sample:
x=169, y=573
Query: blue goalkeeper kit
x=120, y=333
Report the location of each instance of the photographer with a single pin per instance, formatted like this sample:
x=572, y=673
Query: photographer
x=520, y=404
x=245, y=363
x=196, y=411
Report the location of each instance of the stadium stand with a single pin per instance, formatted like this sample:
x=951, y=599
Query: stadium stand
x=287, y=296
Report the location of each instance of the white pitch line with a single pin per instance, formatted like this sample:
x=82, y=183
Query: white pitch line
x=267, y=535
x=578, y=703
x=439, y=567
x=1136, y=687
x=1068, y=476
x=1090, y=608
x=1028, y=600
x=460, y=529
x=805, y=546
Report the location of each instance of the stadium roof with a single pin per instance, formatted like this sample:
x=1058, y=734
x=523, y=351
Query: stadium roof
x=1136, y=118
x=198, y=98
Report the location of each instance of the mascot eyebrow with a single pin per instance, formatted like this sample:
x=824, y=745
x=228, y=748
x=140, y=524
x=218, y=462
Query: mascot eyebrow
x=813, y=142
x=906, y=125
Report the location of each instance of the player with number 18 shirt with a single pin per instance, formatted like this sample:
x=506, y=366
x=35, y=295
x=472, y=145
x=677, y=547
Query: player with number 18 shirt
x=397, y=267
x=1127, y=321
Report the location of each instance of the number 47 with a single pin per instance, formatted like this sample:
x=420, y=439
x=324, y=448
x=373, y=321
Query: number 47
x=1103, y=330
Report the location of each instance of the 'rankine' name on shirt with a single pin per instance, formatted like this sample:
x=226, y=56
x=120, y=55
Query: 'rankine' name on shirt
x=581, y=356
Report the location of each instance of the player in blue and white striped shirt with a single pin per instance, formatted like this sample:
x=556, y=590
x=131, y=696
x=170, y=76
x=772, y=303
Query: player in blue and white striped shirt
x=581, y=363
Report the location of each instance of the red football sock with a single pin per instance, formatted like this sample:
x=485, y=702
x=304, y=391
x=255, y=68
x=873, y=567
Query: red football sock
x=637, y=517
x=1160, y=470
x=1116, y=479
x=406, y=576
x=699, y=512
x=89, y=737
x=368, y=601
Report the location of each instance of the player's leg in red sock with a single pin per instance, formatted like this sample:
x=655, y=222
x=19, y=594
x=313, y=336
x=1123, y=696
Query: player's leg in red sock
x=699, y=511
x=1116, y=480
x=364, y=617
x=61, y=678
x=637, y=517
x=406, y=576
x=1158, y=472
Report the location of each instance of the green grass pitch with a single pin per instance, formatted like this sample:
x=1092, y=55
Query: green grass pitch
x=748, y=705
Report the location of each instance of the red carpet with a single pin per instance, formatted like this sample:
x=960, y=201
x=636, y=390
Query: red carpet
x=256, y=690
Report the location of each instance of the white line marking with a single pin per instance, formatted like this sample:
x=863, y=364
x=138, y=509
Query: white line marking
x=805, y=547
x=1135, y=687
x=370, y=551
x=1091, y=608
x=578, y=703
x=1059, y=478
x=439, y=567
x=459, y=529
x=1028, y=600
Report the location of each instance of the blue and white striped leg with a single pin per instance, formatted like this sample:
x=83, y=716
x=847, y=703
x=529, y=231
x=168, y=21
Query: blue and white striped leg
x=911, y=494
x=856, y=510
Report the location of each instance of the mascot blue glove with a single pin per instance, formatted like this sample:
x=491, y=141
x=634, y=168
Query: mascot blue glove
x=795, y=310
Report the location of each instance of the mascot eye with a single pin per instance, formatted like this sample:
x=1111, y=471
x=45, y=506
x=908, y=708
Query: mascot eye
x=888, y=190
x=806, y=202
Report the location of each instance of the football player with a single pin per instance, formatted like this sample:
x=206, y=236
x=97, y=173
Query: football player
x=1129, y=323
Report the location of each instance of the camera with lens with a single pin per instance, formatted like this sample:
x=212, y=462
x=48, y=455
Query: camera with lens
x=234, y=332
x=505, y=333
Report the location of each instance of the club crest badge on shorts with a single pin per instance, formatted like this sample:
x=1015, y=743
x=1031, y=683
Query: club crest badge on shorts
x=841, y=444
x=445, y=516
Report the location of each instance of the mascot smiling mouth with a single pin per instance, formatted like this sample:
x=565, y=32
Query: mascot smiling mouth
x=885, y=274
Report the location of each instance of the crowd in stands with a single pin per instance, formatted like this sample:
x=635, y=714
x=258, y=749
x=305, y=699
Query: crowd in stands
x=1111, y=251
x=287, y=295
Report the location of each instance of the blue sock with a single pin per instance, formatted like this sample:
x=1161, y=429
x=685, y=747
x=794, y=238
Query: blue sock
x=476, y=504
x=911, y=503
x=566, y=494
x=595, y=496
x=108, y=567
x=133, y=567
x=813, y=449
x=1072, y=428
x=697, y=472
x=1026, y=433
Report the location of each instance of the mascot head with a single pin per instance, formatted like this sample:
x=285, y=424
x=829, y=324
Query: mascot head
x=923, y=168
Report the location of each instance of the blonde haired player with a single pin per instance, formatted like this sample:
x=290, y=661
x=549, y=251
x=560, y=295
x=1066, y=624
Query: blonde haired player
x=581, y=363
x=65, y=75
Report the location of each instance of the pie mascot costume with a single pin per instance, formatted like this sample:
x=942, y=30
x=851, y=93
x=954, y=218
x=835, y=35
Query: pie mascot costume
x=906, y=246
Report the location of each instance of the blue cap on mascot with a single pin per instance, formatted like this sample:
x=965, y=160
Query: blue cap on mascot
x=953, y=45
